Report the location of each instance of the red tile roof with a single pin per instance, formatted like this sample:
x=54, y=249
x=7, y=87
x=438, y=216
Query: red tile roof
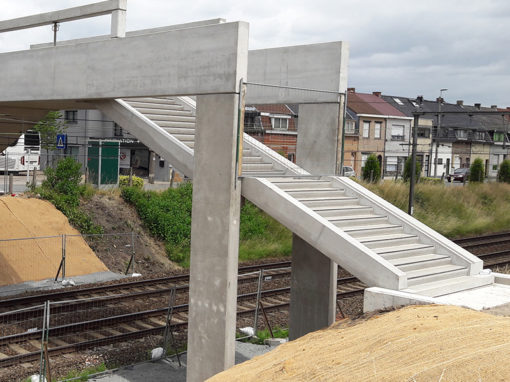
x=362, y=103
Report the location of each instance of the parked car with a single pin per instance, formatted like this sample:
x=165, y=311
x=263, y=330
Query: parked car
x=459, y=174
x=349, y=171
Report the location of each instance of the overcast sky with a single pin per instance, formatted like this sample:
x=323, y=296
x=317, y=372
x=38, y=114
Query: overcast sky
x=399, y=47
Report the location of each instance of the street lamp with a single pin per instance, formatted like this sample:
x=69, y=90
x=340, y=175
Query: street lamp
x=438, y=129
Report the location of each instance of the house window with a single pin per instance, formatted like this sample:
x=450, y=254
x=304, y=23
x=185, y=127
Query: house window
x=71, y=116
x=280, y=123
x=423, y=132
x=499, y=137
x=350, y=127
x=391, y=164
x=397, y=132
x=366, y=129
x=461, y=134
x=480, y=135
x=439, y=160
x=377, y=131
x=363, y=159
x=117, y=130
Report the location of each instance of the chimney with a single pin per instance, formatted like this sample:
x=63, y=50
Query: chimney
x=351, y=90
x=439, y=100
x=478, y=105
x=494, y=107
x=460, y=102
x=377, y=94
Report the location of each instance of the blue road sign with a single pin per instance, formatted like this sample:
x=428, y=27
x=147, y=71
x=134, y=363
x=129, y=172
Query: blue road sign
x=61, y=141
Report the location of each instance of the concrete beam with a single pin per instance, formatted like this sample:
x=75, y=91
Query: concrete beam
x=69, y=14
x=182, y=62
x=318, y=66
x=140, y=32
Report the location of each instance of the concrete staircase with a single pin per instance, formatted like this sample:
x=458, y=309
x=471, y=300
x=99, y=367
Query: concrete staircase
x=370, y=238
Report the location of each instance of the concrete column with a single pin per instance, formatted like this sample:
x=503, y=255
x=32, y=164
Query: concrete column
x=313, y=289
x=214, y=239
x=118, y=28
x=152, y=166
x=313, y=282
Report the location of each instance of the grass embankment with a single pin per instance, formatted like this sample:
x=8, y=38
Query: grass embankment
x=453, y=211
x=167, y=215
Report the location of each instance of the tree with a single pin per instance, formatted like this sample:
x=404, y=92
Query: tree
x=407, y=170
x=372, y=169
x=477, y=171
x=504, y=171
x=48, y=128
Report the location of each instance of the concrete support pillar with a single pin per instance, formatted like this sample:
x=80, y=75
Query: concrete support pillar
x=214, y=239
x=152, y=166
x=313, y=285
x=118, y=28
x=313, y=289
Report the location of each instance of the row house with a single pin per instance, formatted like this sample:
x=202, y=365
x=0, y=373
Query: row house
x=379, y=129
x=275, y=126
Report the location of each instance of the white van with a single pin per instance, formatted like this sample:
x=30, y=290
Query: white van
x=24, y=154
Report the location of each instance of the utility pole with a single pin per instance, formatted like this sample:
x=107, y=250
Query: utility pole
x=438, y=129
x=410, y=209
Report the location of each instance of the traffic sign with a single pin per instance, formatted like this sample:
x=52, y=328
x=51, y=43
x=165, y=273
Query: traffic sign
x=61, y=141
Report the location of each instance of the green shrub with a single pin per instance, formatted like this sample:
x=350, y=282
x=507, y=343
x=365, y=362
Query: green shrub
x=372, y=169
x=407, y=170
x=425, y=179
x=504, y=171
x=62, y=188
x=135, y=180
x=167, y=215
x=477, y=171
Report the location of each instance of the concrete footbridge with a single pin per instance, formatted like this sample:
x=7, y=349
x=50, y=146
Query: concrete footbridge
x=181, y=91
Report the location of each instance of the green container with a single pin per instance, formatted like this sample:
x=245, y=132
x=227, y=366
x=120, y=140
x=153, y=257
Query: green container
x=103, y=163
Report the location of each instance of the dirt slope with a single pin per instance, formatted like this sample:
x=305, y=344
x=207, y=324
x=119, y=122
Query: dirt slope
x=416, y=343
x=39, y=259
x=110, y=211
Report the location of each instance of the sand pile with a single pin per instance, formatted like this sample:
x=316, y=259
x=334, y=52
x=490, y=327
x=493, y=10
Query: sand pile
x=28, y=260
x=416, y=343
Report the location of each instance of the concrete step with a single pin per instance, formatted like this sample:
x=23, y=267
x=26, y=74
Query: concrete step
x=451, y=285
x=316, y=193
x=162, y=110
x=303, y=184
x=150, y=107
x=366, y=220
x=190, y=144
x=180, y=130
x=252, y=159
x=425, y=275
x=163, y=124
x=360, y=231
x=155, y=100
x=257, y=166
x=262, y=174
x=389, y=240
x=328, y=201
x=341, y=211
x=416, y=262
x=404, y=250
x=170, y=117
x=184, y=137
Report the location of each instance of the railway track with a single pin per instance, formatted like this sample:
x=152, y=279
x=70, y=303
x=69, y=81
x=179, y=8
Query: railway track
x=23, y=345
x=71, y=337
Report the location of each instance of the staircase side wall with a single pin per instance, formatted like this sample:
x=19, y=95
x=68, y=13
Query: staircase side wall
x=411, y=225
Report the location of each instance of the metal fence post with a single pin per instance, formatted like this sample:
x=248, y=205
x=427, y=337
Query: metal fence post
x=44, y=367
x=64, y=256
x=131, y=263
x=11, y=184
x=259, y=291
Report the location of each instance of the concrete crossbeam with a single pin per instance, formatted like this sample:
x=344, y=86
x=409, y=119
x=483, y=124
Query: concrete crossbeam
x=317, y=66
x=70, y=14
x=185, y=62
x=140, y=32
